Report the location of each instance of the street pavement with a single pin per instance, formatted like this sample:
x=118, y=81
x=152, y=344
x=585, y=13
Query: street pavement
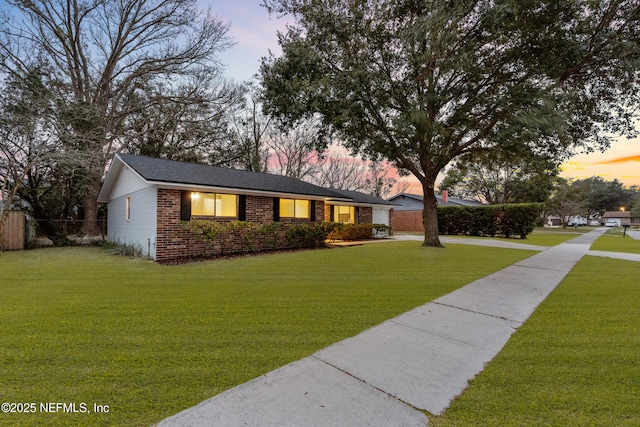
x=419, y=361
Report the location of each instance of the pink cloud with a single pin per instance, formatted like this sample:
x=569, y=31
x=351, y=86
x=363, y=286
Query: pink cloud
x=635, y=158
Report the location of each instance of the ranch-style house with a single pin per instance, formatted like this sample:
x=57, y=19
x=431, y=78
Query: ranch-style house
x=148, y=198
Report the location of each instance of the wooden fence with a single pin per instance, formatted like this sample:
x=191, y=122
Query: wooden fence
x=14, y=231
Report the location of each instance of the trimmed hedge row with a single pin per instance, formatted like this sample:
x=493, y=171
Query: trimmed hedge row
x=224, y=238
x=359, y=231
x=514, y=220
x=235, y=237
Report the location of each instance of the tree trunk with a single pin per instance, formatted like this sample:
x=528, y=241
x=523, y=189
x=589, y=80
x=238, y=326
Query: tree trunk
x=430, y=215
x=4, y=215
x=90, y=204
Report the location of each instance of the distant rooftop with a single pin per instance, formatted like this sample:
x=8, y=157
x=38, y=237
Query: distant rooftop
x=616, y=214
x=452, y=201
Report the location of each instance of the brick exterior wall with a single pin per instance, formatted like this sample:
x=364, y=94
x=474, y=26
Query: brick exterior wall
x=365, y=215
x=174, y=242
x=259, y=209
x=320, y=210
x=171, y=240
x=407, y=221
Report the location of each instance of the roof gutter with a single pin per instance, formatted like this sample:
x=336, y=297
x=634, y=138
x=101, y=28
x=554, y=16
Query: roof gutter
x=240, y=191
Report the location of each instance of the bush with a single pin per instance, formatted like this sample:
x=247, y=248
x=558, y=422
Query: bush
x=306, y=236
x=122, y=249
x=358, y=231
x=223, y=238
x=516, y=220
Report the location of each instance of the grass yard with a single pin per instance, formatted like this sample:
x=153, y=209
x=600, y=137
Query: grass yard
x=575, y=362
x=613, y=241
x=79, y=326
x=550, y=237
x=541, y=236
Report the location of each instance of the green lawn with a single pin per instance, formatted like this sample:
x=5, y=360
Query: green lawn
x=613, y=241
x=80, y=326
x=541, y=236
x=550, y=237
x=575, y=362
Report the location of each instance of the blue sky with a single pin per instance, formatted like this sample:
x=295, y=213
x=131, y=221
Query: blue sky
x=253, y=31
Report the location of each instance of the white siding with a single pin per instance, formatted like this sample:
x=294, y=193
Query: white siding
x=140, y=230
x=127, y=182
x=380, y=216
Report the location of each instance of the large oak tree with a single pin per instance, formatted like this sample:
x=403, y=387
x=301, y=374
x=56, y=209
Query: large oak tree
x=107, y=54
x=422, y=82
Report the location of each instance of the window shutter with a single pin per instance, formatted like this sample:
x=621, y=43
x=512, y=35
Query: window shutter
x=185, y=205
x=276, y=209
x=357, y=218
x=242, y=207
x=312, y=214
x=332, y=214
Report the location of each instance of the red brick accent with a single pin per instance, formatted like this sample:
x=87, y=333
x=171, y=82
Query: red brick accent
x=408, y=221
x=365, y=215
x=173, y=241
x=320, y=211
x=259, y=209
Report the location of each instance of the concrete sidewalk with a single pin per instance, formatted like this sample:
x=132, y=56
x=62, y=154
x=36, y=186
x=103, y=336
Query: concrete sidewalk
x=634, y=234
x=388, y=375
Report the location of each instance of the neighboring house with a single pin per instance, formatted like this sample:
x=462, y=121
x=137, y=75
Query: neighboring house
x=409, y=202
x=148, y=197
x=553, y=221
x=408, y=210
x=619, y=217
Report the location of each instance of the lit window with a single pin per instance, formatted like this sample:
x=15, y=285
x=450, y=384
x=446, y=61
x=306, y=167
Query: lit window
x=127, y=208
x=210, y=204
x=294, y=208
x=344, y=214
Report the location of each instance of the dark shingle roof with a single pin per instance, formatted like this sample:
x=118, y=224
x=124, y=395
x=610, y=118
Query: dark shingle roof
x=358, y=197
x=170, y=171
x=453, y=201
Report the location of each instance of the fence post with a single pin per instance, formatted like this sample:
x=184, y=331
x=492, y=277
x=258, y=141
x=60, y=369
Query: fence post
x=14, y=231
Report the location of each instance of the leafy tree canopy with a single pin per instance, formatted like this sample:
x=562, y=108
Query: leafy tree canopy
x=635, y=208
x=600, y=196
x=566, y=201
x=117, y=64
x=500, y=178
x=423, y=82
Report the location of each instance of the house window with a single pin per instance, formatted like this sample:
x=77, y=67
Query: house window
x=344, y=214
x=210, y=204
x=127, y=208
x=294, y=208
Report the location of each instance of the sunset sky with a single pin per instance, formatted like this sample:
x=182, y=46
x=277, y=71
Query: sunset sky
x=255, y=33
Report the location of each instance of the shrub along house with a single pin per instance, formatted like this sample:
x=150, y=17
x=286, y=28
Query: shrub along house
x=148, y=198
